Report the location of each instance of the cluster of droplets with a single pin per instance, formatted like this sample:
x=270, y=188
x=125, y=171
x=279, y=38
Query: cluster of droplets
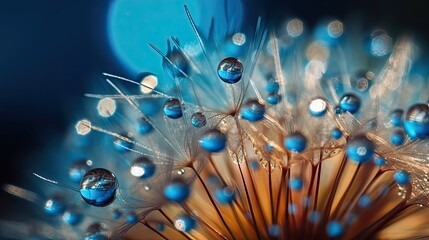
x=253, y=149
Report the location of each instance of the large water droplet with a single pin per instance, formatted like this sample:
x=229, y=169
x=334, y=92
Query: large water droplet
x=98, y=187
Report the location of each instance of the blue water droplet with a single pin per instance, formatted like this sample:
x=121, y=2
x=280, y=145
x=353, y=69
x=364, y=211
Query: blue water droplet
x=78, y=169
x=380, y=161
x=230, y=70
x=296, y=184
x=334, y=229
x=295, y=142
x=317, y=107
x=274, y=230
x=224, y=195
x=252, y=110
x=272, y=87
x=143, y=167
x=416, y=121
x=198, y=120
x=179, y=60
x=314, y=217
x=55, y=205
x=132, y=218
x=72, y=217
x=274, y=98
x=97, y=231
x=350, y=102
x=401, y=177
x=361, y=80
x=360, y=149
x=121, y=145
x=185, y=223
x=116, y=214
x=213, y=141
x=364, y=201
x=98, y=187
x=397, y=138
x=336, y=133
x=173, y=108
x=396, y=117
x=143, y=126
x=177, y=191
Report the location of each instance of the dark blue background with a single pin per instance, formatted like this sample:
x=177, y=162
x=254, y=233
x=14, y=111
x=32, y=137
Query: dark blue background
x=50, y=50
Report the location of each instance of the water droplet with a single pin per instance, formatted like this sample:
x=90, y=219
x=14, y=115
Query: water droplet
x=360, y=149
x=213, y=141
x=295, y=142
x=416, y=121
x=55, y=205
x=397, y=138
x=336, y=133
x=294, y=28
x=122, y=145
x=230, y=70
x=239, y=39
x=132, y=218
x=362, y=80
x=252, y=110
x=185, y=223
x=72, y=216
x=314, y=217
x=148, y=82
x=177, y=191
x=334, y=229
x=364, y=201
x=274, y=230
x=173, y=108
x=274, y=98
x=98, y=187
x=143, y=126
x=335, y=29
x=78, y=169
x=272, y=87
x=317, y=107
x=116, y=214
x=380, y=161
x=350, y=103
x=224, y=195
x=179, y=60
x=142, y=167
x=198, y=120
x=97, y=231
x=401, y=177
x=396, y=117
x=181, y=171
x=296, y=184
x=83, y=127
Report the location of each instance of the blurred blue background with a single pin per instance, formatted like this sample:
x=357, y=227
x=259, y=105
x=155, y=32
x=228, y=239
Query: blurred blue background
x=51, y=52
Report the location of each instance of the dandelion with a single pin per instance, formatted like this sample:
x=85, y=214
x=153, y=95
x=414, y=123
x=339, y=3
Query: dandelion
x=264, y=134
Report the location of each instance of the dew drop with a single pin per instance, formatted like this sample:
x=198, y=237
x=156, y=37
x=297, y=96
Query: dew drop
x=98, y=187
x=396, y=117
x=54, y=205
x=106, y=107
x=177, y=191
x=143, y=126
x=198, y=120
x=72, y=216
x=317, y=107
x=224, y=195
x=274, y=98
x=213, y=141
x=334, y=229
x=360, y=149
x=78, y=169
x=97, y=231
x=416, y=121
x=252, y=110
x=185, y=223
x=381, y=43
x=401, y=177
x=295, y=142
x=397, y=138
x=336, y=133
x=142, y=167
x=350, y=103
x=173, y=109
x=230, y=70
x=83, y=127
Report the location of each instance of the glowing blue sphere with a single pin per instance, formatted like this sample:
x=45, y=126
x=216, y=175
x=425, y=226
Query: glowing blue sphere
x=213, y=141
x=360, y=149
x=173, y=108
x=296, y=184
x=98, y=187
x=416, y=121
x=230, y=70
x=198, y=120
x=177, y=191
x=252, y=110
x=350, y=103
x=274, y=98
x=295, y=142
